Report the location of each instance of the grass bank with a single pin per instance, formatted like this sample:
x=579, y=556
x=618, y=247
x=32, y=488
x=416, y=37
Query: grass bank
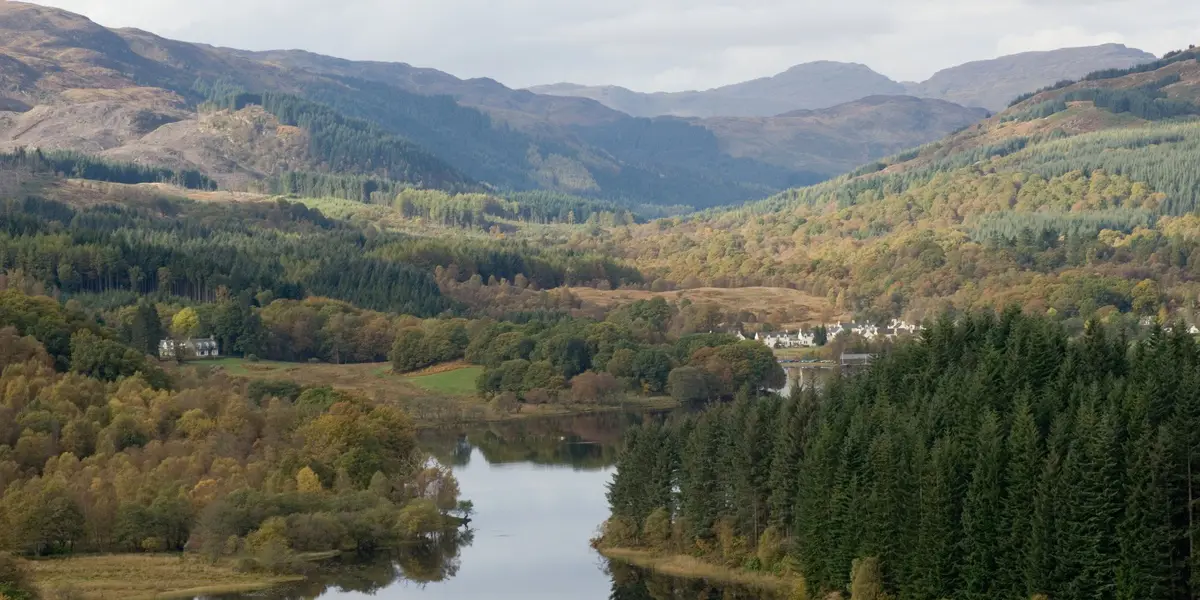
x=145, y=577
x=452, y=382
x=443, y=395
x=690, y=567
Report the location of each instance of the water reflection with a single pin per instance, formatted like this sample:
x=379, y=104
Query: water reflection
x=631, y=583
x=538, y=488
x=587, y=442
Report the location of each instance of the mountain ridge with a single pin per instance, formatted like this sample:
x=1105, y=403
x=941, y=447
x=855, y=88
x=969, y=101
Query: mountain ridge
x=98, y=90
x=971, y=84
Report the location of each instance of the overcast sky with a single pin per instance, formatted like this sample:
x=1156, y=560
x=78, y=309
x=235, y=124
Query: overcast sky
x=652, y=45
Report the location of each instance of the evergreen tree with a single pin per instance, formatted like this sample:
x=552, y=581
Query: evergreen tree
x=981, y=525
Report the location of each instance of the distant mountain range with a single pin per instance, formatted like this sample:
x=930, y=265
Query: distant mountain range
x=989, y=84
x=124, y=94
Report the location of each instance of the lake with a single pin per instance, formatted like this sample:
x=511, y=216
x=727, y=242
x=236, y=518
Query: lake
x=538, y=487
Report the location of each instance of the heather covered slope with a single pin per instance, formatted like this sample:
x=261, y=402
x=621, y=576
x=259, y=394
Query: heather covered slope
x=69, y=83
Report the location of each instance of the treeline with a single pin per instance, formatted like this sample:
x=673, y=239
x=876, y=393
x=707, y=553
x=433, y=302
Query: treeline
x=495, y=260
x=994, y=458
x=346, y=145
x=309, y=184
x=1145, y=102
x=468, y=210
x=478, y=210
x=92, y=466
x=68, y=340
x=1167, y=60
x=82, y=166
x=203, y=250
x=587, y=361
x=1010, y=225
x=1040, y=110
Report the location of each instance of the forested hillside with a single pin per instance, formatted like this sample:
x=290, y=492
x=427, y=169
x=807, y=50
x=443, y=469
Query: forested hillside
x=1078, y=201
x=996, y=457
x=158, y=244
x=101, y=452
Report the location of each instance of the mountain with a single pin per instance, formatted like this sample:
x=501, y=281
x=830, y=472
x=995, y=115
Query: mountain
x=808, y=86
x=992, y=84
x=989, y=84
x=67, y=83
x=839, y=138
x=1079, y=201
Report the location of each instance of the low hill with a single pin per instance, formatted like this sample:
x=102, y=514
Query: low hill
x=989, y=84
x=1078, y=201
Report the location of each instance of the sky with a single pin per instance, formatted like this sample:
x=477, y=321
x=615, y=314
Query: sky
x=657, y=45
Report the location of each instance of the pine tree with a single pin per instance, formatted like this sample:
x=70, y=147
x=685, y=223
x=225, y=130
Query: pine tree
x=936, y=554
x=1144, y=533
x=1088, y=553
x=980, y=523
x=1020, y=496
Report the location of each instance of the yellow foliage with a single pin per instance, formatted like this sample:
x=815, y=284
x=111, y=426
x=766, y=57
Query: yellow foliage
x=307, y=482
x=272, y=533
x=185, y=323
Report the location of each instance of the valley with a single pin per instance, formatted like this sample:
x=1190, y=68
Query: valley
x=280, y=324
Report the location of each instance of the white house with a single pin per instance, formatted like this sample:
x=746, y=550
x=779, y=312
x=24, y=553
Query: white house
x=191, y=348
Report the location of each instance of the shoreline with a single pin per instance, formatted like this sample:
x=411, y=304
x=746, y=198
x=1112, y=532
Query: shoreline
x=147, y=577
x=431, y=406
x=660, y=404
x=689, y=567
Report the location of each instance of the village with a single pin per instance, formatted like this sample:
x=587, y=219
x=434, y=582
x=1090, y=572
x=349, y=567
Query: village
x=820, y=335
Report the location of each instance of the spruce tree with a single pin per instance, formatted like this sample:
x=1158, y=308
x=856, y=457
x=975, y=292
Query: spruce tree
x=981, y=532
x=1017, y=510
x=1144, y=533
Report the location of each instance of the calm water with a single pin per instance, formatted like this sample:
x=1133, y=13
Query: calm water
x=539, y=494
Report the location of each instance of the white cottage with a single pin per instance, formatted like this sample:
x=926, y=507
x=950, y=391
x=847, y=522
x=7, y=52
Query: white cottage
x=191, y=348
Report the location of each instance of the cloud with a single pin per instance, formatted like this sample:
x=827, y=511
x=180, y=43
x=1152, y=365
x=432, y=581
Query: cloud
x=656, y=44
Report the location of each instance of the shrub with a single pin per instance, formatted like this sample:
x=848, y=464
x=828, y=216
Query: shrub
x=15, y=581
x=866, y=580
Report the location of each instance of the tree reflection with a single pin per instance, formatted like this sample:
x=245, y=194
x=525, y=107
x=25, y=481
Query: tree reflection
x=418, y=563
x=633, y=583
x=585, y=442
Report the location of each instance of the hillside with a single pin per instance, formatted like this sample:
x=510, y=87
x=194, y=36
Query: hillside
x=989, y=84
x=1078, y=201
x=67, y=83
x=992, y=84
x=807, y=86
x=837, y=139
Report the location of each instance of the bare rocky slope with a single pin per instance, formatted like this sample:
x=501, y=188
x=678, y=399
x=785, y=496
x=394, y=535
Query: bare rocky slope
x=994, y=83
x=69, y=83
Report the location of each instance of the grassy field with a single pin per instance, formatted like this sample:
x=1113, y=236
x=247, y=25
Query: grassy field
x=144, y=577
x=690, y=567
x=457, y=382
